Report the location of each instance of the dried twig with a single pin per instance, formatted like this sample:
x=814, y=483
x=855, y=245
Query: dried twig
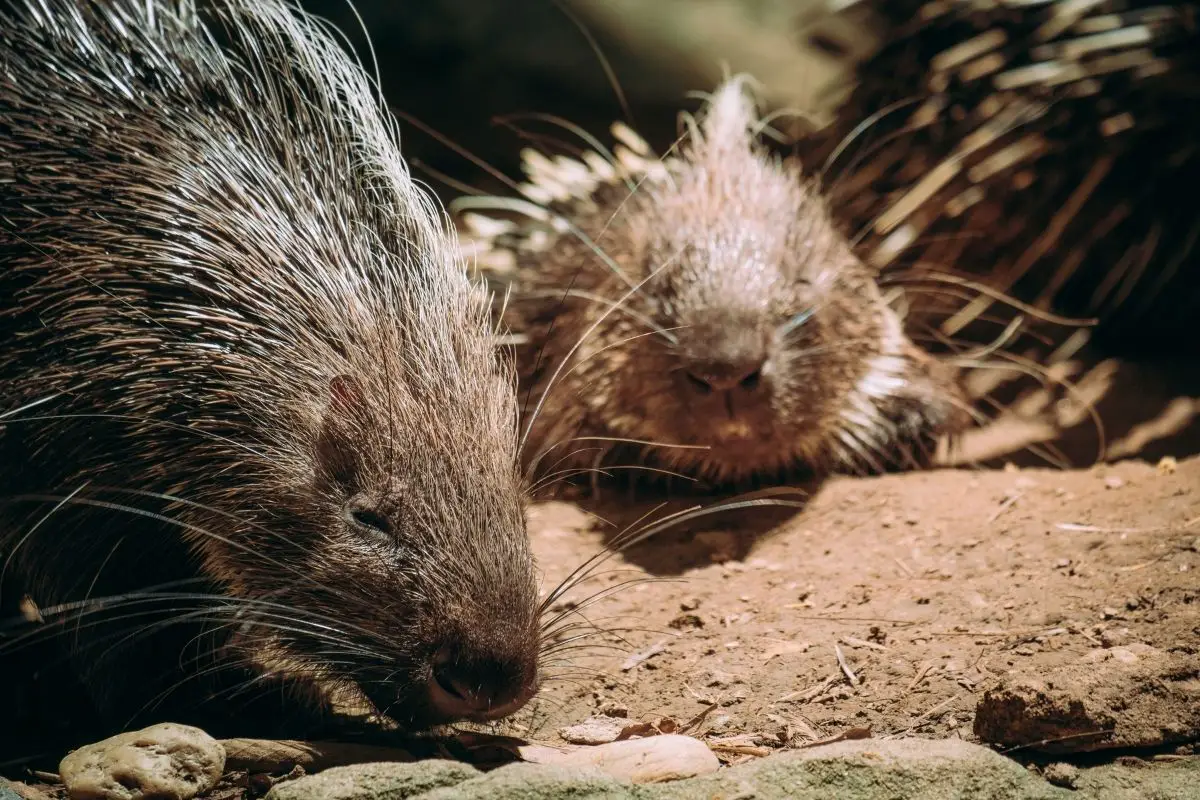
x=925, y=669
x=856, y=642
x=844, y=736
x=841, y=659
x=811, y=693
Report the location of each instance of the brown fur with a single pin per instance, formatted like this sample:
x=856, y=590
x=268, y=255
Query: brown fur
x=250, y=404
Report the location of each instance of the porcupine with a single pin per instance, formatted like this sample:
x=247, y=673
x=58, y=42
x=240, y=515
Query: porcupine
x=249, y=394
x=699, y=315
x=1046, y=149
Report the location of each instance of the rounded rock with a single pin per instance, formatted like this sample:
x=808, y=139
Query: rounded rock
x=162, y=762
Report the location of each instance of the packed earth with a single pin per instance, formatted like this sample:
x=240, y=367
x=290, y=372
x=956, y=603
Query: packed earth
x=1016, y=632
x=903, y=606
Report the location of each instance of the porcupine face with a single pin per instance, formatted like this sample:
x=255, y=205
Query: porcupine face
x=413, y=521
x=756, y=340
x=238, y=315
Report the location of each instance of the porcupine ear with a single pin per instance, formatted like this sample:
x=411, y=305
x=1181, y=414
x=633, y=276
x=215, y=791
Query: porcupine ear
x=337, y=458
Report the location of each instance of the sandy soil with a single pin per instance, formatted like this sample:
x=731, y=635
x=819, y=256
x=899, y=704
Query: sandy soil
x=932, y=586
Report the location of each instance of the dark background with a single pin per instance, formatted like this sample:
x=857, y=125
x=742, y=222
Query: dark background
x=458, y=65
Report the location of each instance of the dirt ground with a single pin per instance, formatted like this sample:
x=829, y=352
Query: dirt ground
x=929, y=587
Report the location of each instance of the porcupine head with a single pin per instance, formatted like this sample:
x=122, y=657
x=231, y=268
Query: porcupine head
x=257, y=372
x=702, y=308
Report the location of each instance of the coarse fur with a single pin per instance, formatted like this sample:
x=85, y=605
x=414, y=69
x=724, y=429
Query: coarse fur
x=250, y=403
x=698, y=315
x=1045, y=149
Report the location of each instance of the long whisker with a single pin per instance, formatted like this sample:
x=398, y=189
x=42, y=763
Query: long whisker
x=109, y=506
x=537, y=409
x=581, y=294
x=33, y=529
x=916, y=276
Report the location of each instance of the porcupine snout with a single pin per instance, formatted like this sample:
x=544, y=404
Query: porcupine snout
x=725, y=354
x=479, y=686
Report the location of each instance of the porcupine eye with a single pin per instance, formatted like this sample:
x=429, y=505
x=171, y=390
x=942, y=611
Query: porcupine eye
x=362, y=516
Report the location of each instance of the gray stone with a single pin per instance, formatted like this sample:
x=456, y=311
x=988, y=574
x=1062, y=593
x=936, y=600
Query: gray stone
x=377, y=781
x=539, y=782
x=851, y=770
x=6, y=793
x=162, y=762
x=947, y=769
x=1060, y=774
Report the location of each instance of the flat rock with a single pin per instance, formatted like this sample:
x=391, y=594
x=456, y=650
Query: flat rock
x=8, y=791
x=376, y=781
x=162, y=762
x=1131, y=696
x=868, y=769
x=849, y=770
x=654, y=759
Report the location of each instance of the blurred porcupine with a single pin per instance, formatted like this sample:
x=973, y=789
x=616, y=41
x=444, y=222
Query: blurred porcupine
x=696, y=314
x=1049, y=149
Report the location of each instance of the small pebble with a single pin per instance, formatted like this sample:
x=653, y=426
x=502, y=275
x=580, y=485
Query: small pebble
x=1113, y=482
x=162, y=762
x=686, y=621
x=594, y=730
x=1060, y=774
x=717, y=678
x=1114, y=638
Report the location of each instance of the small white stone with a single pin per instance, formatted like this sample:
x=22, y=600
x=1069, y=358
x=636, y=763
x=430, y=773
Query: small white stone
x=163, y=762
x=650, y=760
x=594, y=730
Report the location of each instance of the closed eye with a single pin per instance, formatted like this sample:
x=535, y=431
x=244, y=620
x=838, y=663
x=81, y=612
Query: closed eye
x=795, y=322
x=370, y=519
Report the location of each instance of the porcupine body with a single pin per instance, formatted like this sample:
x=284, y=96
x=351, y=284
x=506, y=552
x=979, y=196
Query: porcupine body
x=1047, y=149
x=254, y=436
x=698, y=315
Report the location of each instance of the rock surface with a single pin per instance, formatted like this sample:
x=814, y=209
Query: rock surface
x=851, y=770
x=651, y=760
x=379, y=781
x=7, y=792
x=162, y=762
x=1132, y=696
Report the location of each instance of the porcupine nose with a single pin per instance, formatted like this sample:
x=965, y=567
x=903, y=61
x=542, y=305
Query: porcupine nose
x=723, y=353
x=717, y=372
x=478, y=689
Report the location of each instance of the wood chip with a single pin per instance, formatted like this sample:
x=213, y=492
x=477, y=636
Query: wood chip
x=811, y=693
